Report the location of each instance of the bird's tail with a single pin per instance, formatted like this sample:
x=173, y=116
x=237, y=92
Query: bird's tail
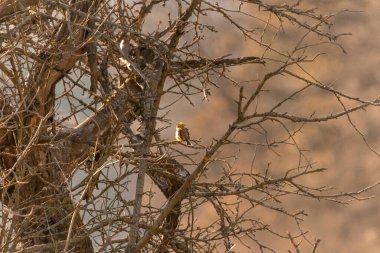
x=188, y=142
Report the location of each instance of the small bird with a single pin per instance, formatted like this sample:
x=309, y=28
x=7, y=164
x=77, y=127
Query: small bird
x=182, y=133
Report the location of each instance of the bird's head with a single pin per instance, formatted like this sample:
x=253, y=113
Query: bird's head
x=181, y=125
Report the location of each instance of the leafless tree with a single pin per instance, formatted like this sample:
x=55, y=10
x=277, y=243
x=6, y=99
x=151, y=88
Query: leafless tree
x=77, y=77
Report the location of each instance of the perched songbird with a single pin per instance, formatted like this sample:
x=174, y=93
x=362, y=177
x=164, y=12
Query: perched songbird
x=182, y=133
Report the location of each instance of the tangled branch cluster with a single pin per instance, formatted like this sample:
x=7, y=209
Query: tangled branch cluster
x=77, y=76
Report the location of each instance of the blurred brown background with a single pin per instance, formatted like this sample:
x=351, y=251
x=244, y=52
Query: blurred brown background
x=336, y=146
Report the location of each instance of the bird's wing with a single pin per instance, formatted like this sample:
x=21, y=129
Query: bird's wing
x=186, y=134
